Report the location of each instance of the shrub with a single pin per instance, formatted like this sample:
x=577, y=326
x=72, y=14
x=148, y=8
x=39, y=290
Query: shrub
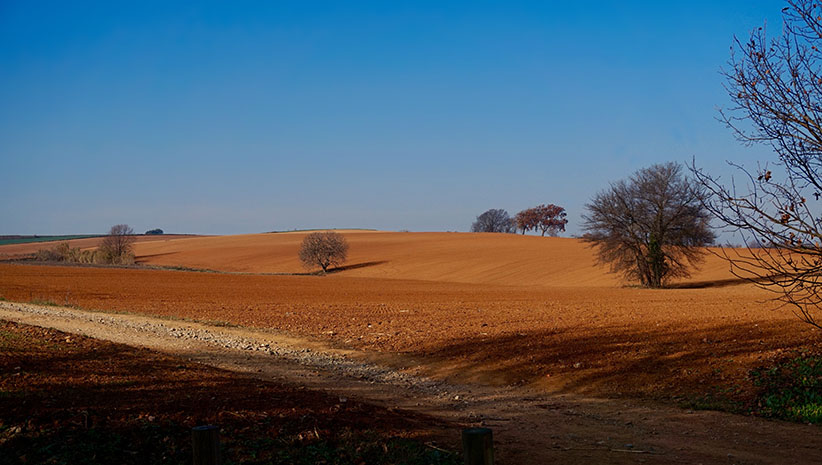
x=50, y=255
x=791, y=389
x=63, y=252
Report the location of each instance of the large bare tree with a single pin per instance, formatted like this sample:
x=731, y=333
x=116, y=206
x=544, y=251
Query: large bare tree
x=324, y=249
x=118, y=245
x=650, y=227
x=775, y=85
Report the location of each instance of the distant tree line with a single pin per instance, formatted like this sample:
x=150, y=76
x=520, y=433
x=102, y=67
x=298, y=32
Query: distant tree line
x=547, y=219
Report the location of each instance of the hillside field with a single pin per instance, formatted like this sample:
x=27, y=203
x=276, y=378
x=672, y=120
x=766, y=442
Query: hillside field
x=501, y=259
x=492, y=308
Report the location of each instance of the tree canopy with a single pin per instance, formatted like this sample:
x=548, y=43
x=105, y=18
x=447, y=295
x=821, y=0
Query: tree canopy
x=494, y=220
x=775, y=86
x=650, y=227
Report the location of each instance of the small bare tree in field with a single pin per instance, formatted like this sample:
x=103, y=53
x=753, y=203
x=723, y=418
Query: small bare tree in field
x=776, y=89
x=324, y=249
x=118, y=245
x=650, y=227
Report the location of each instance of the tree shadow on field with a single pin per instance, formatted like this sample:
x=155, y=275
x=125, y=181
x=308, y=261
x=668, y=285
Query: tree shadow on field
x=356, y=266
x=144, y=258
x=721, y=282
x=660, y=362
x=708, y=284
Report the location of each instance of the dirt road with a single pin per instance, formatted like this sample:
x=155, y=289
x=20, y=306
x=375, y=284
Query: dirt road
x=529, y=426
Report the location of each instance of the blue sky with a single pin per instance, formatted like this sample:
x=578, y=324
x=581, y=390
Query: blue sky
x=241, y=117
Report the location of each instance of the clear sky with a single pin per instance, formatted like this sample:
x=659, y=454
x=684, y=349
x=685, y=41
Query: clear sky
x=236, y=117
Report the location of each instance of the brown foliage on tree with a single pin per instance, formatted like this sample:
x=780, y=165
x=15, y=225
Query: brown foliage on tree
x=544, y=218
x=651, y=226
x=118, y=245
x=527, y=220
x=551, y=219
x=776, y=89
x=324, y=249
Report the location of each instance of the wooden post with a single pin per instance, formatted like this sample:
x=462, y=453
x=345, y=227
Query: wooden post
x=478, y=446
x=206, y=444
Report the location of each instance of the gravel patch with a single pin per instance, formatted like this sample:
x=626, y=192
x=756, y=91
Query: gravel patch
x=338, y=364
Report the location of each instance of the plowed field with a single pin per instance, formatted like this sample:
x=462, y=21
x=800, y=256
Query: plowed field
x=443, y=257
x=557, y=332
x=26, y=248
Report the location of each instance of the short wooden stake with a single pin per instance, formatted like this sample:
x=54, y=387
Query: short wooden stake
x=206, y=444
x=478, y=446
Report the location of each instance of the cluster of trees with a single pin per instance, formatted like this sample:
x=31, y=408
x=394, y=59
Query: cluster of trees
x=544, y=218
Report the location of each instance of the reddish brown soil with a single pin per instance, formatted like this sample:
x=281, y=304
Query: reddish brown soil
x=607, y=341
x=21, y=250
x=435, y=256
x=57, y=389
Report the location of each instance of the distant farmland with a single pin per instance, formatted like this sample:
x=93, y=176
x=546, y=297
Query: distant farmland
x=5, y=240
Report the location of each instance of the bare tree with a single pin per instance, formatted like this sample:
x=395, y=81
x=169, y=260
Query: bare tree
x=118, y=245
x=776, y=89
x=494, y=220
x=324, y=249
x=651, y=226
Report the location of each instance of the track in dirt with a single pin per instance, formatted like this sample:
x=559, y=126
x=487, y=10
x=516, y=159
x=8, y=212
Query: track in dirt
x=530, y=427
x=490, y=309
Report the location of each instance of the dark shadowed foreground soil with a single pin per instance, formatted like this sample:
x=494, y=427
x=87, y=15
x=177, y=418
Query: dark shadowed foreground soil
x=530, y=426
x=70, y=399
